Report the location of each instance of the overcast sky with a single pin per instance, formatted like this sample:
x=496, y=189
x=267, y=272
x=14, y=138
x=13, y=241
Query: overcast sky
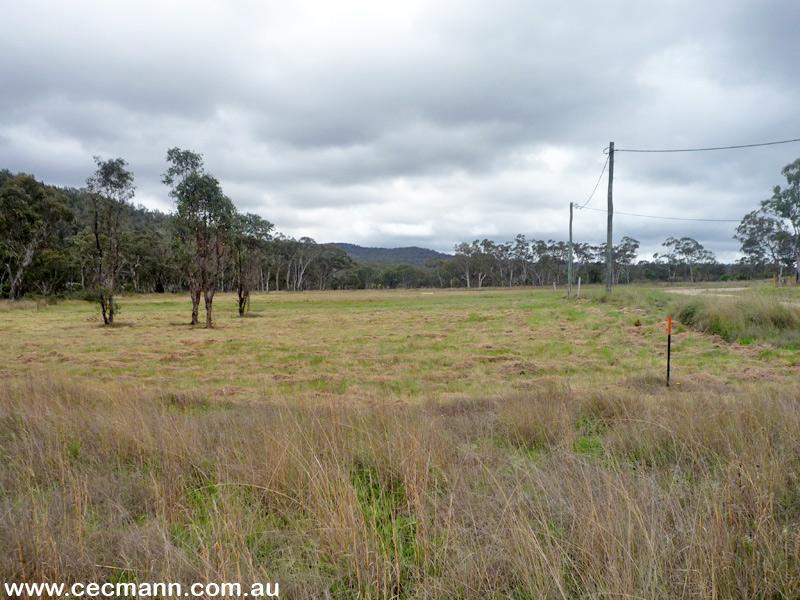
x=415, y=123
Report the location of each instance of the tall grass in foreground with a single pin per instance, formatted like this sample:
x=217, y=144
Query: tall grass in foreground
x=743, y=319
x=613, y=493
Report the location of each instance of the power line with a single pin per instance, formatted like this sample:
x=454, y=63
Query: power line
x=589, y=199
x=737, y=146
x=619, y=212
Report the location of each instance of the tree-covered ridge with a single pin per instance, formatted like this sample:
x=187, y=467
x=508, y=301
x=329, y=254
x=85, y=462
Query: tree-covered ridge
x=407, y=255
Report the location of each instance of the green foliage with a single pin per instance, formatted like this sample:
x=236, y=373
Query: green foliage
x=589, y=445
x=112, y=180
x=33, y=217
x=110, y=189
x=74, y=449
x=384, y=506
x=686, y=252
x=771, y=235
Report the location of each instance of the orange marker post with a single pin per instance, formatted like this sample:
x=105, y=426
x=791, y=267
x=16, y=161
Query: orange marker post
x=669, y=344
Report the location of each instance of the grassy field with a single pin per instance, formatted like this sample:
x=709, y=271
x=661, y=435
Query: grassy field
x=409, y=444
x=374, y=346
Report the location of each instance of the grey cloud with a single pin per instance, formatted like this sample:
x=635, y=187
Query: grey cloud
x=422, y=123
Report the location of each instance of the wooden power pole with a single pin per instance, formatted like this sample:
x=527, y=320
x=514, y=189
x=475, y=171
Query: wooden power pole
x=609, y=232
x=569, y=265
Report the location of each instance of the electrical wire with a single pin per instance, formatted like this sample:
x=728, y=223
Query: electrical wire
x=630, y=214
x=662, y=150
x=734, y=147
x=589, y=199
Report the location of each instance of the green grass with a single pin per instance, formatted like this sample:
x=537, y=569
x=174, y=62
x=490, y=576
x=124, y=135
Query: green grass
x=366, y=346
x=745, y=319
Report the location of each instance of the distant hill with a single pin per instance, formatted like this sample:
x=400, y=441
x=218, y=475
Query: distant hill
x=410, y=255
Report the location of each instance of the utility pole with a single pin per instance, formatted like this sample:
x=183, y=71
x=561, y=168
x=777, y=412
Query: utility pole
x=609, y=234
x=569, y=265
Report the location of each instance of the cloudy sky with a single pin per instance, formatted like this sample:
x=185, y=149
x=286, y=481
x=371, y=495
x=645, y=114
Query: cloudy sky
x=415, y=123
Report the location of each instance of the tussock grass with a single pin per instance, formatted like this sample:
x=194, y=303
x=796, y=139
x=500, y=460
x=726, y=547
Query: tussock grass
x=625, y=494
x=744, y=319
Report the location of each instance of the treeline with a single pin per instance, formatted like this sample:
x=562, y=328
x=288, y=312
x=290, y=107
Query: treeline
x=769, y=238
x=96, y=243
x=536, y=262
x=47, y=242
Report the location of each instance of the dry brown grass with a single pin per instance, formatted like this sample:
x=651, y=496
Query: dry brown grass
x=626, y=492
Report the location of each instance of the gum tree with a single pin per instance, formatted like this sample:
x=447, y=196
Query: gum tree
x=110, y=189
x=765, y=240
x=249, y=246
x=204, y=221
x=31, y=215
x=785, y=206
x=687, y=251
x=182, y=164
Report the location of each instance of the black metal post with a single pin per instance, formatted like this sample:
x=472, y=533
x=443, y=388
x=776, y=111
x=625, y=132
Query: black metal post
x=669, y=346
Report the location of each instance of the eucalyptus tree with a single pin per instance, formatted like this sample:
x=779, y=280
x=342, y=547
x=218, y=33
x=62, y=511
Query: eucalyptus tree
x=278, y=255
x=539, y=260
x=684, y=251
x=110, y=188
x=464, y=258
x=504, y=261
x=586, y=260
x=182, y=164
x=31, y=216
x=249, y=246
x=521, y=257
x=306, y=252
x=204, y=221
x=785, y=206
x=624, y=254
x=765, y=240
x=484, y=260
x=329, y=267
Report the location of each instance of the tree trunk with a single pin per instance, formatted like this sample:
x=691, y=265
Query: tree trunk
x=104, y=308
x=797, y=267
x=209, y=298
x=195, y=294
x=244, y=297
x=27, y=258
x=110, y=309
